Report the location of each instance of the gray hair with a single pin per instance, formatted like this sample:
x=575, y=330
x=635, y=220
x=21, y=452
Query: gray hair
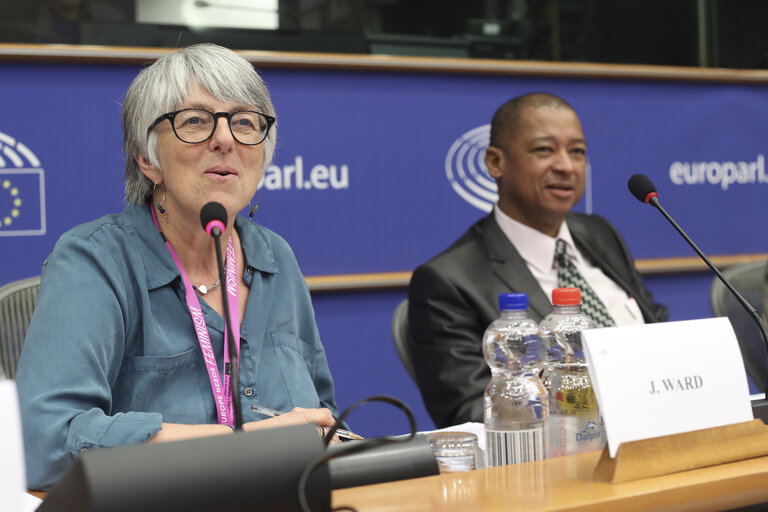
x=163, y=86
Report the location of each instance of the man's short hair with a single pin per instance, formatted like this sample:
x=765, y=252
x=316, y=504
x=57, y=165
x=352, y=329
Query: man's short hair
x=506, y=120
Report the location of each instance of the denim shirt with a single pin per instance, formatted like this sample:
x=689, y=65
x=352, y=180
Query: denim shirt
x=111, y=351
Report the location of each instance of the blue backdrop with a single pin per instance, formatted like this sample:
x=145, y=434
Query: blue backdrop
x=379, y=171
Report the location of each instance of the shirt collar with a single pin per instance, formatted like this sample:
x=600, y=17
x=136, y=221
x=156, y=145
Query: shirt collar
x=160, y=267
x=256, y=246
x=535, y=247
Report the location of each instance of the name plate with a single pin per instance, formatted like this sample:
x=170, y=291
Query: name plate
x=660, y=379
x=12, y=474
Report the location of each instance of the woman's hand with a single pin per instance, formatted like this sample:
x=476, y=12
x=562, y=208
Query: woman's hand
x=180, y=432
x=322, y=418
x=297, y=416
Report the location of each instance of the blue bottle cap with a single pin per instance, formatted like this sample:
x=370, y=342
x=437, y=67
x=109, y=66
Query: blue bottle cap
x=509, y=301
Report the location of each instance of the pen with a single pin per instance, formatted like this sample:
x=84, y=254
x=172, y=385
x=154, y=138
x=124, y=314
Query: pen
x=266, y=411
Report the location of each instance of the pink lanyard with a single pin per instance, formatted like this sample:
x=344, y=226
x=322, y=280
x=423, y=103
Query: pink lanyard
x=222, y=392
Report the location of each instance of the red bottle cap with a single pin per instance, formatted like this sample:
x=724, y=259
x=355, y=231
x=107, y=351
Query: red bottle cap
x=566, y=297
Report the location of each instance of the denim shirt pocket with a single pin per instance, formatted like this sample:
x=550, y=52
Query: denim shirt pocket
x=175, y=385
x=295, y=360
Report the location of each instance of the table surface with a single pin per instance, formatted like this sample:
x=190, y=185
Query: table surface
x=566, y=483
x=561, y=484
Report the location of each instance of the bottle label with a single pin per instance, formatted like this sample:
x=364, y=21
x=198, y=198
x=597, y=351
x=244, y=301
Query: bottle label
x=574, y=434
x=504, y=447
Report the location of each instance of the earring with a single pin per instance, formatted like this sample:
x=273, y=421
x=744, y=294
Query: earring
x=157, y=203
x=252, y=209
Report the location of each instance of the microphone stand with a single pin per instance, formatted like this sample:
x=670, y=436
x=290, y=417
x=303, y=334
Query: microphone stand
x=234, y=366
x=759, y=407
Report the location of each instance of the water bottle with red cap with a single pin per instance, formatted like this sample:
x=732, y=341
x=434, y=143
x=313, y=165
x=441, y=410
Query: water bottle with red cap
x=574, y=420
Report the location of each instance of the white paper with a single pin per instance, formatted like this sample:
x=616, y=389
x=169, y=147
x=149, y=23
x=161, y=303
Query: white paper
x=13, y=479
x=29, y=503
x=667, y=378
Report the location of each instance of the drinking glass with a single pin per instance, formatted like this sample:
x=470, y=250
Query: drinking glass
x=456, y=451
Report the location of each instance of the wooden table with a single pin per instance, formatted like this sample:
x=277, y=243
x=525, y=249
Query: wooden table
x=566, y=484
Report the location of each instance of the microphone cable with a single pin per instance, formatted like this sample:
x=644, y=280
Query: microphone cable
x=354, y=446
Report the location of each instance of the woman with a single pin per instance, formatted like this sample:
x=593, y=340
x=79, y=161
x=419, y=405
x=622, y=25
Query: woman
x=112, y=356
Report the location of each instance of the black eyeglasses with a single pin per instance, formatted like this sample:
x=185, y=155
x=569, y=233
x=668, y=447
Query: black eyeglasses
x=195, y=125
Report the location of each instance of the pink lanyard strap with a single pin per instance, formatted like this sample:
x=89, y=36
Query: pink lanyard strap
x=222, y=391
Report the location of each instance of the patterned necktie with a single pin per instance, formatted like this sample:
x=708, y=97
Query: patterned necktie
x=569, y=276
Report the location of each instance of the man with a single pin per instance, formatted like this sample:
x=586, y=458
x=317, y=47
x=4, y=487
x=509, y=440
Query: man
x=537, y=155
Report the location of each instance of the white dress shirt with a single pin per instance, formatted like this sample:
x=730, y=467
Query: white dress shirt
x=538, y=251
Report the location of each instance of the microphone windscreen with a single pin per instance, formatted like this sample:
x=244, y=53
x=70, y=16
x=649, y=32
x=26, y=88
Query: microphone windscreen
x=213, y=211
x=640, y=186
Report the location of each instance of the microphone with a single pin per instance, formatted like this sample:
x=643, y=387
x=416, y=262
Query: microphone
x=643, y=189
x=213, y=217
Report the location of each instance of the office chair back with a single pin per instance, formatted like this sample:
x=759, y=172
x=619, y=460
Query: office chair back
x=400, y=335
x=749, y=281
x=17, y=302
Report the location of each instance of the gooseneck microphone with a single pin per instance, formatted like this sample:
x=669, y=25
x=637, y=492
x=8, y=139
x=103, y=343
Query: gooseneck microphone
x=213, y=217
x=643, y=189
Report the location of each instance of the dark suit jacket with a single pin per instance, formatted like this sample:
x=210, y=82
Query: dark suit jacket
x=454, y=297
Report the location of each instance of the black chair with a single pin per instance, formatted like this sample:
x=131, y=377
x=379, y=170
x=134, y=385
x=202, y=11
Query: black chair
x=749, y=281
x=17, y=303
x=400, y=335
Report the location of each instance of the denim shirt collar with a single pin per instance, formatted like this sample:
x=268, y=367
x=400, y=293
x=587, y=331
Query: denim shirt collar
x=160, y=267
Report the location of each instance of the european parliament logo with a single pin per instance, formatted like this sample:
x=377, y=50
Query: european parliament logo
x=22, y=190
x=466, y=170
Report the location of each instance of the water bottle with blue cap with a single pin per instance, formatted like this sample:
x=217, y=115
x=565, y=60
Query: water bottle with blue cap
x=515, y=401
